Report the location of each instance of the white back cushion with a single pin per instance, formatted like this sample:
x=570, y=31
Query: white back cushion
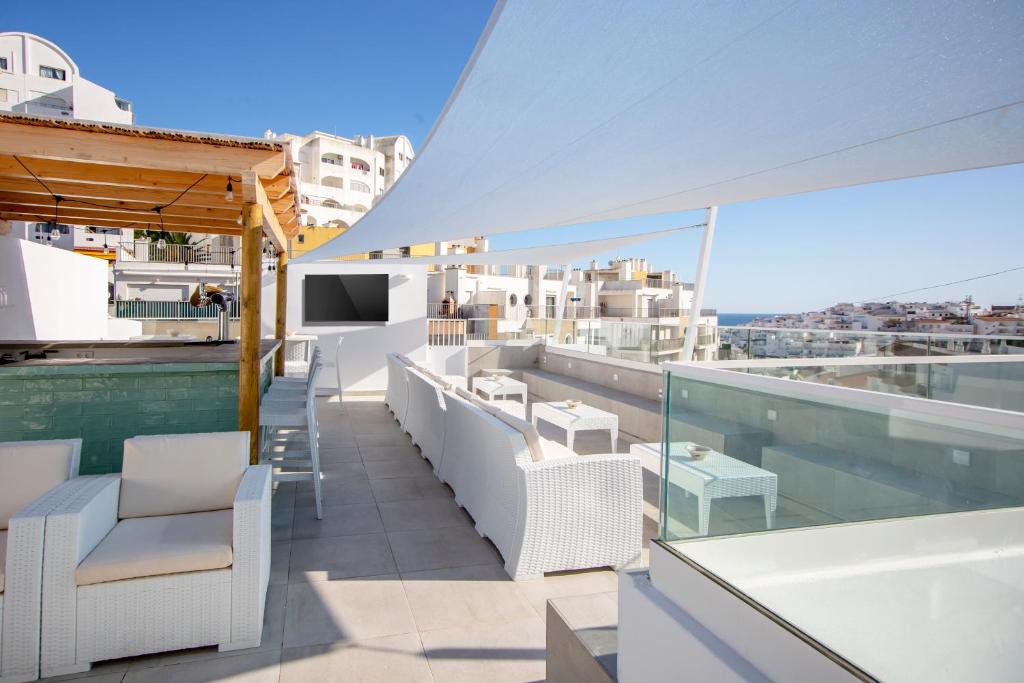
x=175, y=474
x=528, y=431
x=28, y=469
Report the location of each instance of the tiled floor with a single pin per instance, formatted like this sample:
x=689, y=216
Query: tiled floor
x=394, y=584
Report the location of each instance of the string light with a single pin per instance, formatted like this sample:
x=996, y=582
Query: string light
x=229, y=195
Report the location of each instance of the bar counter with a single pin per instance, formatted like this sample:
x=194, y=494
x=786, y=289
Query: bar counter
x=107, y=391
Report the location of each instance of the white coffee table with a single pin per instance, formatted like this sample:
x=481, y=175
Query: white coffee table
x=499, y=386
x=578, y=419
x=716, y=475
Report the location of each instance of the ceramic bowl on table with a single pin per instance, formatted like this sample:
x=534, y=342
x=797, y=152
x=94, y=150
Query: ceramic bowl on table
x=572, y=403
x=698, y=452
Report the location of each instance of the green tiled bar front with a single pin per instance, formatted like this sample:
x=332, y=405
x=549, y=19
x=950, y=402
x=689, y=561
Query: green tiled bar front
x=106, y=404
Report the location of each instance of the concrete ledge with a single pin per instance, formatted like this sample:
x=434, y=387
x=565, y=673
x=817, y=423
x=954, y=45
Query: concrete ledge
x=582, y=638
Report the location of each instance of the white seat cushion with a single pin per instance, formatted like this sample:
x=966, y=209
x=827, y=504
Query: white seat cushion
x=151, y=546
x=176, y=474
x=553, y=450
x=3, y=558
x=28, y=470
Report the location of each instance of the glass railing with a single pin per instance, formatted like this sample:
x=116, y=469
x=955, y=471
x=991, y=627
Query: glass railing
x=749, y=452
x=738, y=343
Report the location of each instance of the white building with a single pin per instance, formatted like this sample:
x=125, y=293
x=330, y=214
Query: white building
x=342, y=178
x=38, y=77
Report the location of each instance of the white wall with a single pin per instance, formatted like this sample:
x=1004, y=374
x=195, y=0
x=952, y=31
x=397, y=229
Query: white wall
x=51, y=294
x=364, y=346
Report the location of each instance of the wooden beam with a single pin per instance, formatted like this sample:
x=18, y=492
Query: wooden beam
x=39, y=202
x=281, y=314
x=55, y=169
x=138, y=151
x=107, y=194
x=249, y=347
x=252, y=191
x=148, y=224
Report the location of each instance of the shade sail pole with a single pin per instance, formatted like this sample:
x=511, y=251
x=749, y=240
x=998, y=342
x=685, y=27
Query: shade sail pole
x=560, y=306
x=698, y=285
x=281, y=313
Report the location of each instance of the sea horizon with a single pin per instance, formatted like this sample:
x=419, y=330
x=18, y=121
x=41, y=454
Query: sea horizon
x=731, y=319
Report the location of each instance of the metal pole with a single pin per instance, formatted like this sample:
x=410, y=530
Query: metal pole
x=560, y=306
x=698, y=285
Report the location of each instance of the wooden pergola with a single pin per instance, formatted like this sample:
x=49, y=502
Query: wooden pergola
x=116, y=176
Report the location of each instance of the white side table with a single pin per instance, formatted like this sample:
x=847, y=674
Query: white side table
x=716, y=475
x=500, y=386
x=578, y=419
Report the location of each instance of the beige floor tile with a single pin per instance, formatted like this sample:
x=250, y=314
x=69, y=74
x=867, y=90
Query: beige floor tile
x=394, y=438
x=538, y=591
x=340, y=557
x=341, y=454
x=337, y=492
x=341, y=471
x=251, y=667
x=445, y=598
x=345, y=611
x=390, y=659
x=408, y=488
x=388, y=452
x=404, y=467
x=102, y=672
x=338, y=520
x=429, y=513
x=510, y=651
x=457, y=546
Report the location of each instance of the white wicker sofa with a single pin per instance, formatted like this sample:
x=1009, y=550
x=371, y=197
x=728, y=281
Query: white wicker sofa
x=396, y=395
x=544, y=507
x=33, y=476
x=174, y=553
x=425, y=414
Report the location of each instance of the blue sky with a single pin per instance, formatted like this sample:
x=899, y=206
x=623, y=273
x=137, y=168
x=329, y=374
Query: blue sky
x=294, y=67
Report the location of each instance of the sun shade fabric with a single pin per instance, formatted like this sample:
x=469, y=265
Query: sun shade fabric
x=573, y=111
x=553, y=253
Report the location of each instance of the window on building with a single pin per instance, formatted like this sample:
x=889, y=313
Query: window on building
x=53, y=72
x=401, y=156
x=381, y=172
x=123, y=105
x=302, y=239
x=3, y=64
x=405, y=251
x=3, y=95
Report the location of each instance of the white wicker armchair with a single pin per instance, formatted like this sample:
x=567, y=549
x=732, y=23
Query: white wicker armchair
x=173, y=553
x=544, y=507
x=33, y=475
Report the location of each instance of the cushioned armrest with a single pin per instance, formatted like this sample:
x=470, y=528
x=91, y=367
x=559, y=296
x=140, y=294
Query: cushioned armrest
x=554, y=450
x=250, y=566
x=85, y=514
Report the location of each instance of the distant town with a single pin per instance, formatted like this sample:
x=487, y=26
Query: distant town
x=946, y=317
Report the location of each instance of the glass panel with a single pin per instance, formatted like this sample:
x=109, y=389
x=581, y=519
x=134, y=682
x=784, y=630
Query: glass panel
x=783, y=454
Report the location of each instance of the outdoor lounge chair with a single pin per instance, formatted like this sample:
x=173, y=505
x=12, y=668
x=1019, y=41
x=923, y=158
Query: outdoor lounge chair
x=396, y=396
x=172, y=553
x=544, y=507
x=32, y=475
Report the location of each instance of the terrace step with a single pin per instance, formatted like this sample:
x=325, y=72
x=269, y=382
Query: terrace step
x=582, y=638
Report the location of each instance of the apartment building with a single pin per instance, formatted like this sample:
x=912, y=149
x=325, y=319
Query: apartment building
x=38, y=77
x=340, y=179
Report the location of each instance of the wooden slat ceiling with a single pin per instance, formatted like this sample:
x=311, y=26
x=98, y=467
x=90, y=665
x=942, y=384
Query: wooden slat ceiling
x=116, y=176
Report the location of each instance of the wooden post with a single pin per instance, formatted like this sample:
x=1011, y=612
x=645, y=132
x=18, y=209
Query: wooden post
x=249, y=348
x=282, y=310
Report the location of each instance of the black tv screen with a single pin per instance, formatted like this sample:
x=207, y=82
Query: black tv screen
x=344, y=299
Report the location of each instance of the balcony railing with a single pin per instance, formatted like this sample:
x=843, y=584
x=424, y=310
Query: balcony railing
x=554, y=275
x=151, y=252
x=169, y=310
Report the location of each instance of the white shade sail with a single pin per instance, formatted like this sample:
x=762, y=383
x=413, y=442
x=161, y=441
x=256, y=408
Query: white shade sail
x=558, y=254
x=572, y=111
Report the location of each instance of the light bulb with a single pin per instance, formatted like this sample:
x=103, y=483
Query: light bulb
x=55, y=234
x=161, y=243
x=229, y=195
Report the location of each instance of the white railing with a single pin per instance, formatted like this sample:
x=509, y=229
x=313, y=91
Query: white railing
x=169, y=310
x=152, y=252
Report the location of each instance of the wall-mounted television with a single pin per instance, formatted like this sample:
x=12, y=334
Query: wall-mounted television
x=344, y=299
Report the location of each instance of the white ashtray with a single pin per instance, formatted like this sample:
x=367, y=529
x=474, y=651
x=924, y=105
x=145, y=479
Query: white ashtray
x=698, y=452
